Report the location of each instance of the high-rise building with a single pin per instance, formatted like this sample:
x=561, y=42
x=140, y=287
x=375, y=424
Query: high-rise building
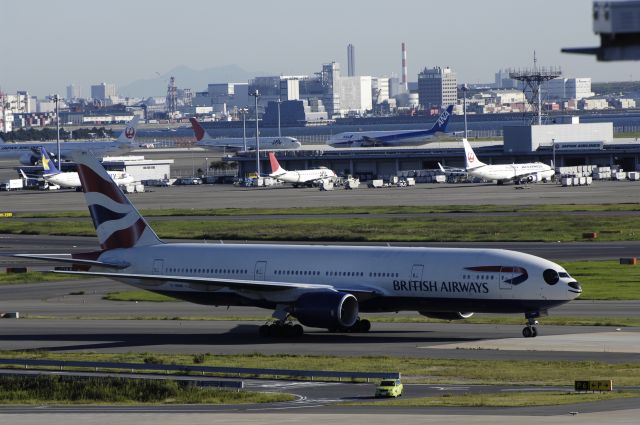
x=568, y=88
x=351, y=60
x=73, y=92
x=331, y=84
x=437, y=87
x=103, y=91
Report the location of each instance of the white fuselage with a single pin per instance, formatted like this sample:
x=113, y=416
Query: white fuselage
x=72, y=180
x=303, y=176
x=534, y=171
x=380, y=138
x=389, y=278
x=234, y=143
x=27, y=151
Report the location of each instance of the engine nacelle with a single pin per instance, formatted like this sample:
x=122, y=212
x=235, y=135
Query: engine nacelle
x=447, y=315
x=326, y=309
x=29, y=159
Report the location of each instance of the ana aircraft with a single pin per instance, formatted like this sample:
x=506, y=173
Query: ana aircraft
x=29, y=153
x=392, y=138
x=517, y=173
x=298, y=177
x=321, y=286
x=237, y=144
x=72, y=179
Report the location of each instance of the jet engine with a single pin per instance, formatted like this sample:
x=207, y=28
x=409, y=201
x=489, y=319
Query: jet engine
x=326, y=310
x=447, y=315
x=29, y=159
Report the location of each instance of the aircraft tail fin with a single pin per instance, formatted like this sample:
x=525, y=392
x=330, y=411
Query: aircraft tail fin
x=128, y=135
x=48, y=165
x=443, y=120
x=276, y=168
x=201, y=133
x=470, y=159
x=118, y=223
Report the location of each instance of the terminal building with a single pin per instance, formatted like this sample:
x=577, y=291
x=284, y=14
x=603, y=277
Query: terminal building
x=569, y=144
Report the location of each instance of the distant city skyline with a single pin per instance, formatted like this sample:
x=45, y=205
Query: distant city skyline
x=56, y=44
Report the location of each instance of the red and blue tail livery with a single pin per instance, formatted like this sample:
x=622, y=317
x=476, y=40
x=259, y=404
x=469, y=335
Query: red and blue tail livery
x=117, y=222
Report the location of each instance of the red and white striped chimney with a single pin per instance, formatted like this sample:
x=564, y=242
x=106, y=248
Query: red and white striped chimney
x=404, y=66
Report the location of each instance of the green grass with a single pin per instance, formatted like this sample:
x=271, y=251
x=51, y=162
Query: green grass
x=35, y=277
x=414, y=370
x=606, y=280
x=138, y=296
x=506, y=399
x=63, y=390
x=543, y=227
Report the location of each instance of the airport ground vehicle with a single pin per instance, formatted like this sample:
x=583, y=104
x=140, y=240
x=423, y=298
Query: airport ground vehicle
x=389, y=388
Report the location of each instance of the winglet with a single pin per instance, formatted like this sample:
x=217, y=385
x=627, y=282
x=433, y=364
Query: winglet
x=275, y=165
x=441, y=168
x=470, y=159
x=128, y=135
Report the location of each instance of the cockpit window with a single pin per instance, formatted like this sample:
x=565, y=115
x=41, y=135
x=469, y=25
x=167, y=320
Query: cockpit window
x=563, y=274
x=550, y=276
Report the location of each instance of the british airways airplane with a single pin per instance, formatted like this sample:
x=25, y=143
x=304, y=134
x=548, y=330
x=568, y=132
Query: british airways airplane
x=391, y=138
x=29, y=153
x=319, y=286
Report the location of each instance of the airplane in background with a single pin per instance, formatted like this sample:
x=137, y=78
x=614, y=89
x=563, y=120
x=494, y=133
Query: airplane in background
x=237, y=144
x=321, y=286
x=71, y=179
x=29, y=153
x=298, y=177
x=452, y=171
x=517, y=173
x=351, y=139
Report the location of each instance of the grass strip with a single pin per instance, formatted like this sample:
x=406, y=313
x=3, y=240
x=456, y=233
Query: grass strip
x=67, y=389
x=537, y=227
x=414, y=370
x=138, y=296
x=505, y=399
x=35, y=277
x=352, y=210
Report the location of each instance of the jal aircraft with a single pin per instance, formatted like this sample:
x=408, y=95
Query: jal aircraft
x=392, y=138
x=29, y=153
x=234, y=143
x=72, y=179
x=321, y=286
x=298, y=177
x=517, y=173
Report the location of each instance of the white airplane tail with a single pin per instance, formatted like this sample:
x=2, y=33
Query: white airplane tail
x=128, y=135
x=470, y=159
x=117, y=222
x=276, y=169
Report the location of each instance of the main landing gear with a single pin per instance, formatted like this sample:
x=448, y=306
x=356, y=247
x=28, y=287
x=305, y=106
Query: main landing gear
x=281, y=330
x=361, y=326
x=530, y=330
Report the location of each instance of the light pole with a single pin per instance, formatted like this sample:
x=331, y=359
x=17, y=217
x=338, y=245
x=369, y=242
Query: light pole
x=244, y=127
x=56, y=99
x=256, y=94
x=464, y=107
x=279, y=102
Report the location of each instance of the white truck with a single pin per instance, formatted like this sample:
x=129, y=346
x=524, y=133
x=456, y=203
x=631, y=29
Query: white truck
x=13, y=184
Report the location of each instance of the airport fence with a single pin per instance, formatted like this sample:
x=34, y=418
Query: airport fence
x=227, y=371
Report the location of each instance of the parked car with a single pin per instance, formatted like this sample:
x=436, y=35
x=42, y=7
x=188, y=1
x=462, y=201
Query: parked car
x=188, y=181
x=389, y=388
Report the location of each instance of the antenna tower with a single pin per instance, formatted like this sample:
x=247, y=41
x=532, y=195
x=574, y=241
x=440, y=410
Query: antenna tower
x=171, y=104
x=532, y=79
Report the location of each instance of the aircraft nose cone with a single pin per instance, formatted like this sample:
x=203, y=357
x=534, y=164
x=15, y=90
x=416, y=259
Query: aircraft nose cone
x=575, y=287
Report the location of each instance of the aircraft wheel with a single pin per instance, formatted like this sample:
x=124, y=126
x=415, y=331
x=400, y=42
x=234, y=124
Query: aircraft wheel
x=534, y=332
x=365, y=326
x=527, y=332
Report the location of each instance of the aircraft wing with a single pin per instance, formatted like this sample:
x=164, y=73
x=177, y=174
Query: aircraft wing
x=253, y=285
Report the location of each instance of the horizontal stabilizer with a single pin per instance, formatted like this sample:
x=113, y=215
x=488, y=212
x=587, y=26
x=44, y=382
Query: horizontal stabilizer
x=66, y=258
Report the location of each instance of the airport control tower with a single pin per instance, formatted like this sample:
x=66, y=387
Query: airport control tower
x=532, y=79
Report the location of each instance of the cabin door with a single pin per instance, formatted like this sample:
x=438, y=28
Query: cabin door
x=416, y=272
x=158, y=266
x=260, y=270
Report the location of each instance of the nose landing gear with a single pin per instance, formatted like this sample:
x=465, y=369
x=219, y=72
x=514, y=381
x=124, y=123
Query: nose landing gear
x=530, y=330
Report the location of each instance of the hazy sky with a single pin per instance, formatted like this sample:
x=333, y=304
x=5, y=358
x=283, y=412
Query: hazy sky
x=50, y=44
